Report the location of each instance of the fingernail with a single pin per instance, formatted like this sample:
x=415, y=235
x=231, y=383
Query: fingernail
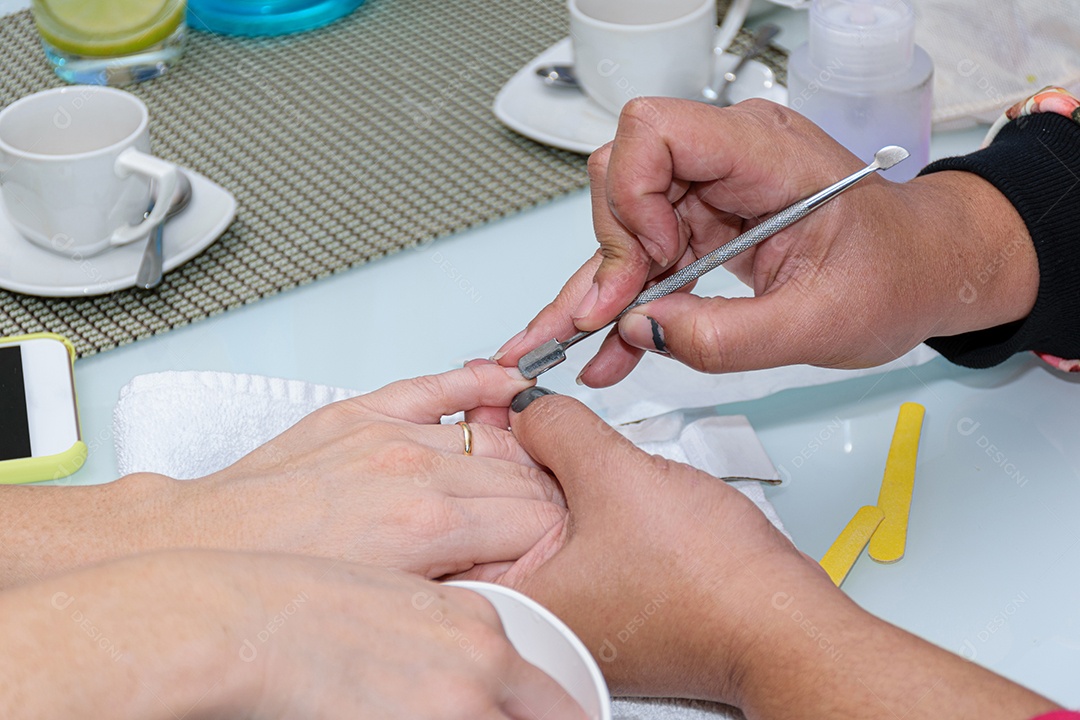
x=509, y=345
x=524, y=398
x=643, y=331
x=655, y=250
x=584, y=370
x=587, y=303
x=514, y=373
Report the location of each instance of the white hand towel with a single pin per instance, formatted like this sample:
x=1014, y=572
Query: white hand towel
x=189, y=424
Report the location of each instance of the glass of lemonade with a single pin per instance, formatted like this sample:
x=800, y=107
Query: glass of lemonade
x=111, y=42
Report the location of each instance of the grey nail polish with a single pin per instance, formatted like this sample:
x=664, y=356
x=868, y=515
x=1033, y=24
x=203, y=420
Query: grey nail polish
x=658, y=337
x=524, y=398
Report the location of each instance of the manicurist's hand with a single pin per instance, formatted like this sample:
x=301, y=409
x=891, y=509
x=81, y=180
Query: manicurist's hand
x=663, y=570
x=266, y=637
x=680, y=587
x=374, y=479
x=857, y=283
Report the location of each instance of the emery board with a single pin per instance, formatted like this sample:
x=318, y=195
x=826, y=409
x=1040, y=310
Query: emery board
x=890, y=539
x=847, y=547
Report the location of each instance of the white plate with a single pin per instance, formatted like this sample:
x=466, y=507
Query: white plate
x=566, y=118
x=29, y=269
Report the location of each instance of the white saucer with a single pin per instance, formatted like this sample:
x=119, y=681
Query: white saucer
x=29, y=269
x=568, y=119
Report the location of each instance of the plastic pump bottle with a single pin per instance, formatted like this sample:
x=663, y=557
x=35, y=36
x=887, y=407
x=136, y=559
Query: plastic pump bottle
x=862, y=78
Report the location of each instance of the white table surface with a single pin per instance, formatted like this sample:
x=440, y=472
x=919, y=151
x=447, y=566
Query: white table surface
x=994, y=542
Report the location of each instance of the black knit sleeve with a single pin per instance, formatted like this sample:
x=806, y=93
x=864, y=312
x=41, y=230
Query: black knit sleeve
x=1034, y=162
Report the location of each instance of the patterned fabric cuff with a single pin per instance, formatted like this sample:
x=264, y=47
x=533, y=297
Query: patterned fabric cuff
x=1035, y=163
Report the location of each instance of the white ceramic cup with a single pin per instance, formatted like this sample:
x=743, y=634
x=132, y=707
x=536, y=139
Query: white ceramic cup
x=544, y=640
x=75, y=169
x=628, y=48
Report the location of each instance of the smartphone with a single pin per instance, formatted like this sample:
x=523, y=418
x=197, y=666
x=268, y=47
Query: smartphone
x=39, y=419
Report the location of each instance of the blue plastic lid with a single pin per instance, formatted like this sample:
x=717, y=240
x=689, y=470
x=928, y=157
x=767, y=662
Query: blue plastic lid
x=265, y=17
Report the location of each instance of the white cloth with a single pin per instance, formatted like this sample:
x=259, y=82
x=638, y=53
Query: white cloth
x=988, y=56
x=188, y=424
x=671, y=709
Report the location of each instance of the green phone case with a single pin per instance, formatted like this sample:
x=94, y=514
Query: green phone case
x=47, y=467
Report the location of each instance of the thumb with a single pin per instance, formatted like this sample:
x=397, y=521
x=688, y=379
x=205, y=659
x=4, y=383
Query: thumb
x=720, y=335
x=594, y=463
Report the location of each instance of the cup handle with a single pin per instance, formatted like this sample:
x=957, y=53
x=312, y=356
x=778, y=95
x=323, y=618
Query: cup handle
x=164, y=175
x=733, y=22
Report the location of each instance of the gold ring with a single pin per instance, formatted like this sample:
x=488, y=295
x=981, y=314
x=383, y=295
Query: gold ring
x=467, y=431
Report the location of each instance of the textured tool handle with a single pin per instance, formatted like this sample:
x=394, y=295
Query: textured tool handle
x=884, y=159
x=725, y=252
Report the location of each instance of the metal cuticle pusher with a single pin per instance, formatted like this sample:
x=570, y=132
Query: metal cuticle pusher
x=551, y=353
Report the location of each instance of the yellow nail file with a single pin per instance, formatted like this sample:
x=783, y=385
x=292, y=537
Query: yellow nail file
x=843, y=553
x=888, y=543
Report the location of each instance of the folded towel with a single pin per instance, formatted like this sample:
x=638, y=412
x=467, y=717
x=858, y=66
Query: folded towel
x=188, y=424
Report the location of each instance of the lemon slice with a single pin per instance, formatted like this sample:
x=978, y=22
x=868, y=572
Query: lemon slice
x=106, y=27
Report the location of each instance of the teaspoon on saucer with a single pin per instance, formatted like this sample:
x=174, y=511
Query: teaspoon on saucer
x=560, y=76
x=150, y=270
x=718, y=93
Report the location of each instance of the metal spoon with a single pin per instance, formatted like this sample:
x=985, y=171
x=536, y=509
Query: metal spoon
x=717, y=95
x=150, y=271
x=560, y=76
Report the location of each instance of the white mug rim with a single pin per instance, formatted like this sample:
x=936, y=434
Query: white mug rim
x=144, y=120
x=596, y=676
x=578, y=14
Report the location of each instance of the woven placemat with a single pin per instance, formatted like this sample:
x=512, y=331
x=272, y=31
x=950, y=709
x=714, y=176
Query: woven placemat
x=341, y=145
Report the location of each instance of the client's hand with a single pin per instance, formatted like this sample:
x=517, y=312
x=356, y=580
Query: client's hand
x=377, y=480
x=266, y=637
x=681, y=587
x=857, y=283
